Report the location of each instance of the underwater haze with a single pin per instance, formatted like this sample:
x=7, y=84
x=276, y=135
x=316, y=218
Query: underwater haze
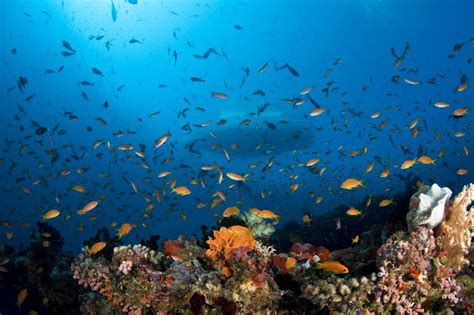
x=156, y=117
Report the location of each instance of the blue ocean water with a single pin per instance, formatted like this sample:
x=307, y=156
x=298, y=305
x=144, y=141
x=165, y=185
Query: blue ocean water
x=115, y=73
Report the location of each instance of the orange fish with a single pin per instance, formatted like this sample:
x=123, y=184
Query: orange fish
x=290, y=263
x=266, y=214
x=462, y=171
x=352, y=183
x=307, y=219
x=78, y=188
x=369, y=167
x=231, y=211
x=294, y=188
x=124, y=230
x=97, y=247
x=353, y=211
x=89, y=207
x=333, y=266
x=21, y=297
x=51, y=214
x=426, y=160
x=407, y=164
x=181, y=190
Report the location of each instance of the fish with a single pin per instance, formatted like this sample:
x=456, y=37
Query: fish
x=68, y=46
x=385, y=203
x=266, y=214
x=124, y=230
x=181, y=190
x=317, y=111
x=135, y=41
x=220, y=95
x=307, y=219
x=293, y=188
x=355, y=240
x=161, y=140
x=333, y=266
x=407, y=164
x=97, y=72
x=88, y=207
x=263, y=68
x=97, y=247
x=230, y=211
x=235, y=176
x=51, y=214
x=312, y=162
x=460, y=112
x=462, y=171
x=426, y=160
x=196, y=79
x=21, y=297
x=352, y=183
x=79, y=188
x=353, y=211
x=114, y=12
x=290, y=263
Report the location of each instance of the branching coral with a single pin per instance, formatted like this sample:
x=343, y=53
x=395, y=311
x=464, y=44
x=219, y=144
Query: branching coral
x=455, y=232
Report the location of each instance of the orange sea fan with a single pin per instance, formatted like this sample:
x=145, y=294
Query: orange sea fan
x=227, y=239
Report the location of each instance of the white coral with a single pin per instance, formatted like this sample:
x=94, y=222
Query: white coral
x=428, y=206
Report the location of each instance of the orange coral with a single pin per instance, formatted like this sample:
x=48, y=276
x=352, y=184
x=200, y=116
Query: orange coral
x=227, y=239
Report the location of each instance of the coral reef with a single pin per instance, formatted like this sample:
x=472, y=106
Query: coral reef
x=234, y=272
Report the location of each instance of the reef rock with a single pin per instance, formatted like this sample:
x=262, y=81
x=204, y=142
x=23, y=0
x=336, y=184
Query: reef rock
x=428, y=206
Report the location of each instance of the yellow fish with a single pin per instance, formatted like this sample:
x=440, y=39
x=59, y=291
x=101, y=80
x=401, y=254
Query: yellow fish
x=355, y=240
